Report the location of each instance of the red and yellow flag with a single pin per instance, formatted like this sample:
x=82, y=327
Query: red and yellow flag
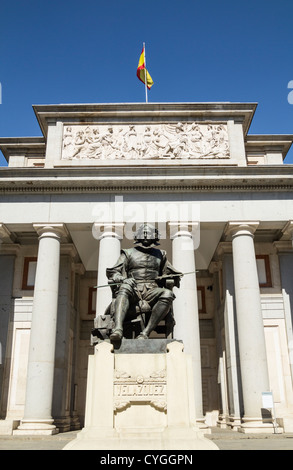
x=142, y=72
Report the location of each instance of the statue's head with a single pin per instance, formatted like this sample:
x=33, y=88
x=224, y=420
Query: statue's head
x=147, y=235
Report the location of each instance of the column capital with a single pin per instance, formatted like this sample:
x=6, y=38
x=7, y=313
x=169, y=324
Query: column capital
x=179, y=229
x=236, y=228
x=287, y=231
x=5, y=235
x=111, y=229
x=58, y=230
x=283, y=246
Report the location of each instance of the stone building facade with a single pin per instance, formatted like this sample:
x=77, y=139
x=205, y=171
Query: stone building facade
x=223, y=202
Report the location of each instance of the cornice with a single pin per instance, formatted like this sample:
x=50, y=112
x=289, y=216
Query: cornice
x=240, y=112
x=146, y=179
x=270, y=143
x=22, y=145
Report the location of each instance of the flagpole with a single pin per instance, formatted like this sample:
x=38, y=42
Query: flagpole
x=145, y=75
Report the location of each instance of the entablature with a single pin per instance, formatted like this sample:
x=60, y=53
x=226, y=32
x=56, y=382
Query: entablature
x=145, y=179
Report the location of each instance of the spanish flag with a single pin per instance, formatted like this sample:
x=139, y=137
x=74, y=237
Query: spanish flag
x=142, y=72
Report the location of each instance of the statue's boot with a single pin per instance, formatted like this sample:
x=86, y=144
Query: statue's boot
x=121, y=308
x=116, y=334
x=159, y=311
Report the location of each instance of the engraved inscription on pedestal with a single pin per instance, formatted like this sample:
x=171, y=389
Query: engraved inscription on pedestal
x=145, y=142
x=129, y=389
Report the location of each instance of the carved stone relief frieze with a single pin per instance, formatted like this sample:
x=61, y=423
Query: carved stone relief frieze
x=152, y=141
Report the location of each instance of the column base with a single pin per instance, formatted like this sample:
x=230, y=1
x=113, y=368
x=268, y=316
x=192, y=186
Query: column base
x=202, y=426
x=75, y=424
x=228, y=422
x=63, y=424
x=222, y=421
x=233, y=423
x=257, y=426
x=36, y=427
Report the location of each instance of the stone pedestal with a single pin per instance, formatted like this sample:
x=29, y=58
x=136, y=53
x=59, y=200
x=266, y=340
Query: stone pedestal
x=139, y=397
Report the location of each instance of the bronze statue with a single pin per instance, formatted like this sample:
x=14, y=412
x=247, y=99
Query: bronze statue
x=141, y=275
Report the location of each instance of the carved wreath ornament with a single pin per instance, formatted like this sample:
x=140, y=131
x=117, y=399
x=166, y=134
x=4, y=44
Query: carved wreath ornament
x=139, y=141
x=151, y=389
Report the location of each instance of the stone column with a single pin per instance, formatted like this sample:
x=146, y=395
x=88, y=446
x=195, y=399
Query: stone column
x=231, y=372
x=251, y=338
x=8, y=253
x=63, y=372
x=284, y=248
x=39, y=389
x=109, y=252
x=186, y=304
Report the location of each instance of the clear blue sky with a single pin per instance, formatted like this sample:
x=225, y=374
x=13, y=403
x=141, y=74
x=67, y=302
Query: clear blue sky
x=72, y=51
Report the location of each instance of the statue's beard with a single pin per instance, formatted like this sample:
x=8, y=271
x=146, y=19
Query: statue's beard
x=145, y=243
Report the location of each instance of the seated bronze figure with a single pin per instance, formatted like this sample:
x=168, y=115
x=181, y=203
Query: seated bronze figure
x=141, y=283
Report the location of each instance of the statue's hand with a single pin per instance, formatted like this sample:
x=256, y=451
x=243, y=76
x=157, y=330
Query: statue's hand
x=117, y=278
x=130, y=282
